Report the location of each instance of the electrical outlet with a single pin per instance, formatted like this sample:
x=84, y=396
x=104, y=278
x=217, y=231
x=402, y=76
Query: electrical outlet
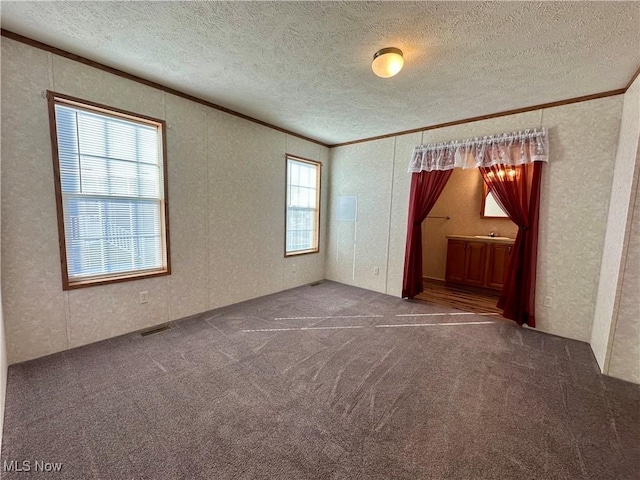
x=548, y=302
x=144, y=297
x=376, y=270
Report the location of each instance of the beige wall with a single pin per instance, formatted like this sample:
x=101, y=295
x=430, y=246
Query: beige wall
x=3, y=371
x=615, y=338
x=226, y=204
x=624, y=361
x=576, y=186
x=3, y=343
x=356, y=248
x=461, y=200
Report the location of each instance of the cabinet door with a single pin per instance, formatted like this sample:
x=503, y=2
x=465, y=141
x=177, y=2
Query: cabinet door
x=455, y=261
x=497, y=265
x=475, y=263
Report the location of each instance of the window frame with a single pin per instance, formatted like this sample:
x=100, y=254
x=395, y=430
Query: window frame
x=54, y=98
x=318, y=166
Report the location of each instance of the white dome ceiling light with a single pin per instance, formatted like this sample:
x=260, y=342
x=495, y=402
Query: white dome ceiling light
x=387, y=62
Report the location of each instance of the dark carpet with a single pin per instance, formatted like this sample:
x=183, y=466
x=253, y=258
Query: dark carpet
x=394, y=397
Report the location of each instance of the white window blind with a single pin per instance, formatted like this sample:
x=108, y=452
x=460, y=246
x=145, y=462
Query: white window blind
x=112, y=188
x=303, y=182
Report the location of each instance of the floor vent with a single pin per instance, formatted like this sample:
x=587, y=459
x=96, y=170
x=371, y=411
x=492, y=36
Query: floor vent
x=314, y=284
x=153, y=331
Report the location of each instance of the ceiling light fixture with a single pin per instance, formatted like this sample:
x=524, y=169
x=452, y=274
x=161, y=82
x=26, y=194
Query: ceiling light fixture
x=387, y=62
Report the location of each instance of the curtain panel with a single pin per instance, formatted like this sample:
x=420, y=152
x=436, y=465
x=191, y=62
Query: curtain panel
x=516, y=148
x=517, y=191
x=426, y=187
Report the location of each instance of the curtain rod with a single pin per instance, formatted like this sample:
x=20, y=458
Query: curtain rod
x=532, y=133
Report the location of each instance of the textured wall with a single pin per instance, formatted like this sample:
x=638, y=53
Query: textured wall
x=3, y=370
x=573, y=214
x=226, y=206
x=618, y=228
x=461, y=199
x=376, y=173
x=575, y=194
x=623, y=360
x=356, y=248
x=3, y=343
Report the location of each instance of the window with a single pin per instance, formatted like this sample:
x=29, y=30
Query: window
x=111, y=192
x=303, y=206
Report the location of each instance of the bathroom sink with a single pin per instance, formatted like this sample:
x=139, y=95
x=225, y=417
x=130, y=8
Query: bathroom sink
x=493, y=238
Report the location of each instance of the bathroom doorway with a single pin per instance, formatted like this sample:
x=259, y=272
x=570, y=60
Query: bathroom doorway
x=456, y=227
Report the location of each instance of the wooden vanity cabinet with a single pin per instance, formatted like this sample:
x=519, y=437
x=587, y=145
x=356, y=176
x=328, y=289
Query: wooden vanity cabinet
x=497, y=262
x=477, y=263
x=456, y=256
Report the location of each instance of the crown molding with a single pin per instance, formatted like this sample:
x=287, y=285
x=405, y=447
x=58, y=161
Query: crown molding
x=150, y=83
x=72, y=56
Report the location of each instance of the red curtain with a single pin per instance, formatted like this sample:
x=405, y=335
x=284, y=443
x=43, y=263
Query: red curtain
x=426, y=187
x=517, y=190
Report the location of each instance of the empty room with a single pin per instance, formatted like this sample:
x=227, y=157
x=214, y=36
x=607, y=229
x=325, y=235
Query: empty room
x=320, y=240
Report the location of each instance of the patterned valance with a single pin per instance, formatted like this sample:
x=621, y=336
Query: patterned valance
x=514, y=148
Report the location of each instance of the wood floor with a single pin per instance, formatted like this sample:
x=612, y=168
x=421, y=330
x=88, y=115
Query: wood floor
x=467, y=300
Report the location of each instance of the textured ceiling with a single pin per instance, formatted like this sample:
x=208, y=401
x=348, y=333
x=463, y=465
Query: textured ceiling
x=305, y=66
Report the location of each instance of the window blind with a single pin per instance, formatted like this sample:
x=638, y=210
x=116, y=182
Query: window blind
x=112, y=186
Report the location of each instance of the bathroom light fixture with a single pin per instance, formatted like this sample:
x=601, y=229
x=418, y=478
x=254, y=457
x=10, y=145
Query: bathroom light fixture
x=511, y=173
x=387, y=62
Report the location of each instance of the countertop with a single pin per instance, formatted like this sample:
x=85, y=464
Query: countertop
x=483, y=238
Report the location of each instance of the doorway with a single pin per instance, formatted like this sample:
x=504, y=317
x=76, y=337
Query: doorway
x=458, y=212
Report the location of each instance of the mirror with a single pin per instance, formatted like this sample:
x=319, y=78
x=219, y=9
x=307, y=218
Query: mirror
x=490, y=208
